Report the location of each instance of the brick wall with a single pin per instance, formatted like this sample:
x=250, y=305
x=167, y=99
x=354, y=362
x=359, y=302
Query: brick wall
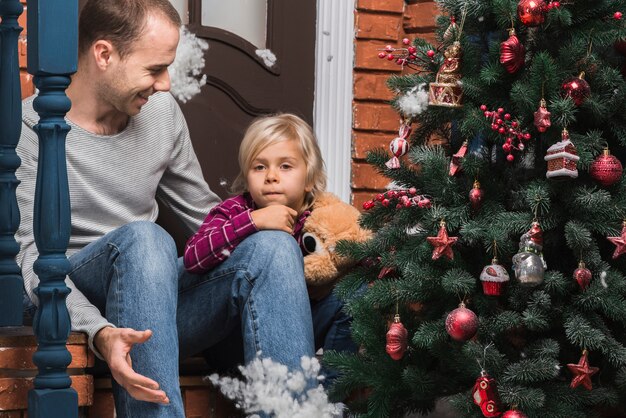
x=26, y=80
x=375, y=123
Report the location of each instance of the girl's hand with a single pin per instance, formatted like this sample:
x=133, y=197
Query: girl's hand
x=278, y=217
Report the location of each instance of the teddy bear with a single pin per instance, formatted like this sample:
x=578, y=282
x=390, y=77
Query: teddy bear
x=330, y=220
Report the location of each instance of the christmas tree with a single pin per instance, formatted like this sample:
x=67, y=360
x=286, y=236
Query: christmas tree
x=497, y=275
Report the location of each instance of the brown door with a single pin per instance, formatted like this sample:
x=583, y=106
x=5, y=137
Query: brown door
x=240, y=86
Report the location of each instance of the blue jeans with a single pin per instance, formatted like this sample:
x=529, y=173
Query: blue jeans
x=135, y=278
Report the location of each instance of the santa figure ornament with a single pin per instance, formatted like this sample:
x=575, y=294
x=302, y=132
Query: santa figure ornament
x=396, y=339
x=461, y=323
x=512, y=53
x=442, y=243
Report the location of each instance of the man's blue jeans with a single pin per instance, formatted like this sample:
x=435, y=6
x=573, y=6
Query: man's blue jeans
x=133, y=275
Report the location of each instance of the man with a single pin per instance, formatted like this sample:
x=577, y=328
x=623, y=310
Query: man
x=129, y=145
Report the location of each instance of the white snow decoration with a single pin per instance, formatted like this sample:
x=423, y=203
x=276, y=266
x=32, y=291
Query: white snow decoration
x=268, y=57
x=603, y=280
x=186, y=70
x=271, y=388
x=414, y=102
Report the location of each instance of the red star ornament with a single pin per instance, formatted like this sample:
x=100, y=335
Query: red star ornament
x=620, y=242
x=442, y=243
x=582, y=372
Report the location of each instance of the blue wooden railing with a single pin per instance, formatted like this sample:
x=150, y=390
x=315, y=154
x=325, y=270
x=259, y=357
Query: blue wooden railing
x=52, y=58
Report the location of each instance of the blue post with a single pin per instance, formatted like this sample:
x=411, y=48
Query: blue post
x=10, y=129
x=52, y=58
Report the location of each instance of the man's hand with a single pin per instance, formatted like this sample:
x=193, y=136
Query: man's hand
x=115, y=344
x=278, y=217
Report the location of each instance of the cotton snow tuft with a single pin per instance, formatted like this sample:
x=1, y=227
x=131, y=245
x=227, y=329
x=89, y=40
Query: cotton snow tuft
x=268, y=57
x=271, y=388
x=414, y=102
x=186, y=70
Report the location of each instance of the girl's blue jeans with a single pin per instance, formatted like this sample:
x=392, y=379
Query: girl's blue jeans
x=135, y=278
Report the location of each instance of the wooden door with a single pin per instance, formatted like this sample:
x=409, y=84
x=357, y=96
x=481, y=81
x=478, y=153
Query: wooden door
x=240, y=86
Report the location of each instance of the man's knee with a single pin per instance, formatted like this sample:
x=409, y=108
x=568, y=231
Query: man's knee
x=145, y=236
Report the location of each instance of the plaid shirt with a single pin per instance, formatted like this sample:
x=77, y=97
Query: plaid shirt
x=226, y=225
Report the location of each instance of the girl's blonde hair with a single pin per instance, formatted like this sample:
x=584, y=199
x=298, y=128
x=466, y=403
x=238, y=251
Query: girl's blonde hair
x=273, y=129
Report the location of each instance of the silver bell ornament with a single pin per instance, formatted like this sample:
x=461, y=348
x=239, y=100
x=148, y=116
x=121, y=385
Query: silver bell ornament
x=528, y=264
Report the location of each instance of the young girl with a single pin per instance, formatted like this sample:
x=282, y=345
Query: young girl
x=281, y=173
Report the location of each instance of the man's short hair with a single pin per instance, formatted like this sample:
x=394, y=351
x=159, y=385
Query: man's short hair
x=120, y=22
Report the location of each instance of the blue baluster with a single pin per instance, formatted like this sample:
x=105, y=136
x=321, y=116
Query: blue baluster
x=11, y=127
x=52, y=58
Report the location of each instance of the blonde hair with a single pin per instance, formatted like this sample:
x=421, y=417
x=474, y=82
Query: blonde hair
x=273, y=129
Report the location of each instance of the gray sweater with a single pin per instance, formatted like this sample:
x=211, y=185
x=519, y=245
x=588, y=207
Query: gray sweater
x=114, y=180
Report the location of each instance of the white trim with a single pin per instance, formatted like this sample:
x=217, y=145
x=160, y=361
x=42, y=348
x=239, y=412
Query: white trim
x=332, y=114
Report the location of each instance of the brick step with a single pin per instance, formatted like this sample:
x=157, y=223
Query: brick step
x=95, y=398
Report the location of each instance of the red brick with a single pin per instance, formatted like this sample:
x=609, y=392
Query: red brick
x=374, y=117
x=371, y=86
x=420, y=15
x=26, y=82
x=22, y=21
x=393, y=6
x=21, y=51
x=364, y=176
x=14, y=391
x=363, y=142
x=376, y=26
x=103, y=405
x=366, y=56
x=11, y=414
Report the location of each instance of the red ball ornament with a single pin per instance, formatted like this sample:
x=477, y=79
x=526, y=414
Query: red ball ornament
x=532, y=12
x=617, y=15
x=582, y=275
x=513, y=413
x=396, y=339
x=476, y=196
x=576, y=88
x=512, y=53
x=462, y=323
x=606, y=169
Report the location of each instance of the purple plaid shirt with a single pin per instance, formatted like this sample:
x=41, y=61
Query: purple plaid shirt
x=226, y=225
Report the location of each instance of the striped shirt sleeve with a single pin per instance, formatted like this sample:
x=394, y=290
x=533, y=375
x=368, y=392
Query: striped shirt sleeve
x=226, y=225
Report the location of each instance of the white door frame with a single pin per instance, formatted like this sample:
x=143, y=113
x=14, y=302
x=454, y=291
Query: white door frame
x=332, y=109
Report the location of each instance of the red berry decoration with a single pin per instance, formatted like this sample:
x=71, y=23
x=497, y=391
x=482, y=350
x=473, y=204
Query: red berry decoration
x=532, y=12
x=396, y=339
x=606, y=169
x=513, y=413
x=512, y=53
x=462, y=323
x=576, y=88
x=582, y=275
x=617, y=15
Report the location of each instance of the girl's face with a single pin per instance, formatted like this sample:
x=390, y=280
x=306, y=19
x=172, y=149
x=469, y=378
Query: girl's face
x=277, y=176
